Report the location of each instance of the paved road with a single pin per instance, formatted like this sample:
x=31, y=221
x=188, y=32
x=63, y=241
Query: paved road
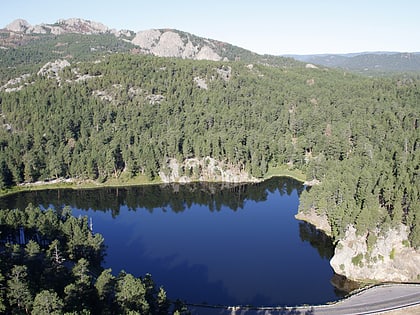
x=371, y=301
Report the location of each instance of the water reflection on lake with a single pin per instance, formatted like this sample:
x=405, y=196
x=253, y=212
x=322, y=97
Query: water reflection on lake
x=212, y=243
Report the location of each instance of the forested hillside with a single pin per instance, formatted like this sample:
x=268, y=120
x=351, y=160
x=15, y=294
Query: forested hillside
x=27, y=53
x=127, y=115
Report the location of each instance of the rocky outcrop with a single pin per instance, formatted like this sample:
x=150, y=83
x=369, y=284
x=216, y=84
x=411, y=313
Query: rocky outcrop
x=18, y=26
x=378, y=256
x=201, y=83
x=387, y=258
x=319, y=221
x=52, y=69
x=82, y=26
x=169, y=43
x=16, y=84
x=64, y=26
x=147, y=39
x=206, y=53
x=204, y=170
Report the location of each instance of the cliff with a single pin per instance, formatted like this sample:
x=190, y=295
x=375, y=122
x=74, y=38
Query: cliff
x=74, y=25
x=378, y=256
x=169, y=43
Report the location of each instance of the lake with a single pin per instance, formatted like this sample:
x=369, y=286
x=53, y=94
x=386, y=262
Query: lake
x=229, y=244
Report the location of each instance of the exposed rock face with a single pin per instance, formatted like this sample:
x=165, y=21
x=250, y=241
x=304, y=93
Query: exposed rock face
x=170, y=44
x=206, y=53
x=388, y=259
x=320, y=221
x=380, y=256
x=82, y=26
x=207, y=169
x=52, y=68
x=310, y=66
x=73, y=25
x=16, y=84
x=18, y=26
x=147, y=39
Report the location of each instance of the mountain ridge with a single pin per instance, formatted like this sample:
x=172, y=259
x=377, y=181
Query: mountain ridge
x=168, y=42
x=159, y=42
x=366, y=62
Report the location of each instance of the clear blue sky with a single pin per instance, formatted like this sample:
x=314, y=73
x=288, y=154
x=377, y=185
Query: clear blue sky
x=264, y=26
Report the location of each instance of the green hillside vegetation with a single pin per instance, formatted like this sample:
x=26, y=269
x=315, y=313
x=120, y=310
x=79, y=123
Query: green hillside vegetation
x=28, y=52
x=235, y=53
x=359, y=136
x=36, y=50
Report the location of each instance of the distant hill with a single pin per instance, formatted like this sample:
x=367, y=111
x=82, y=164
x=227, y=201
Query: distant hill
x=367, y=62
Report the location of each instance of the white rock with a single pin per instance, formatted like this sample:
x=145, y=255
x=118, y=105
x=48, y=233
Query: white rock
x=388, y=260
x=18, y=26
x=37, y=29
x=189, y=50
x=170, y=45
x=310, y=66
x=76, y=25
x=206, y=53
x=146, y=39
x=201, y=83
x=56, y=30
x=52, y=68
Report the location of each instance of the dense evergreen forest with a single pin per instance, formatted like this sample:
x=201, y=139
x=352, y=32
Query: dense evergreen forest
x=113, y=114
x=126, y=115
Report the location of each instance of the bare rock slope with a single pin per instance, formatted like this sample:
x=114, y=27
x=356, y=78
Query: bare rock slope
x=73, y=25
x=170, y=44
x=388, y=258
x=378, y=256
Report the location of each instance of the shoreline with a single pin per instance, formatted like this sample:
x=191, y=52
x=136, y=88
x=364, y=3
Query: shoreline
x=77, y=184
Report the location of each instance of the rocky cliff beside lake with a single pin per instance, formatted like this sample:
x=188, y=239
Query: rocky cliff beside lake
x=388, y=258
x=204, y=170
x=378, y=256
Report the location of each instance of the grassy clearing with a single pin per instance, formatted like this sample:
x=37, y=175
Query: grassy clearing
x=87, y=184
x=285, y=171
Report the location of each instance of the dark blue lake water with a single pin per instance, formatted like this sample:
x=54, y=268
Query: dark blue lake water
x=207, y=243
